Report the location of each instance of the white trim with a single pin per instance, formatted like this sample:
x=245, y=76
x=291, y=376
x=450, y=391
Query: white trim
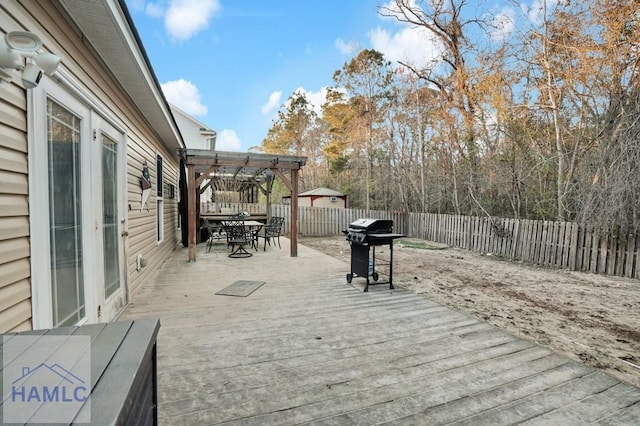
x=159, y=201
x=40, y=314
x=101, y=127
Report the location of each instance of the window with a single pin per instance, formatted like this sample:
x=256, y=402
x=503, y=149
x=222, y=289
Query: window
x=159, y=200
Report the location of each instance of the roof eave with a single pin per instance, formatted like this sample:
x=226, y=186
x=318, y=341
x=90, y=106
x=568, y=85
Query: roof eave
x=109, y=28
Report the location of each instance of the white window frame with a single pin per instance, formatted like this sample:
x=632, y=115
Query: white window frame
x=159, y=200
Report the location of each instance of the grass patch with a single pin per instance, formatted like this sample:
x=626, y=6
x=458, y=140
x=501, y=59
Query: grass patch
x=419, y=245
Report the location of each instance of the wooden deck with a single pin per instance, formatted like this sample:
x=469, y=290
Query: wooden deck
x=307, y=347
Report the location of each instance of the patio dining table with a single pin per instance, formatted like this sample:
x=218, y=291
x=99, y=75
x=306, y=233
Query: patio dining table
x=251, y=224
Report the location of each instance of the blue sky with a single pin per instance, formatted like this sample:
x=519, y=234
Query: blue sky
x=232, y=63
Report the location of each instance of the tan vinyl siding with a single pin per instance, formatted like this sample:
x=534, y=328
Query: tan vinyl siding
x=14, y=227
x=59, y=35
x=15, y=271
x=142, y=224
x=13, y=318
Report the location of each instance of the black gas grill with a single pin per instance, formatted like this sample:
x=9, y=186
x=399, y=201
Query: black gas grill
x=364, y=235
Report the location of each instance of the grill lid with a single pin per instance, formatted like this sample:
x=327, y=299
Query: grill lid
x=370, y=226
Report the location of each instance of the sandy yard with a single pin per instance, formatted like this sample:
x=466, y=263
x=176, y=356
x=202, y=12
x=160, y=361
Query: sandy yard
x=591, y=318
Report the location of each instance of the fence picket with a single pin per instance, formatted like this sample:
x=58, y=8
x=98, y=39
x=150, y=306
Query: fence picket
x=543, y=242
x=572, y=255
x=525, y=246
x=588, y=241
x=515, y=239
x=540, y=240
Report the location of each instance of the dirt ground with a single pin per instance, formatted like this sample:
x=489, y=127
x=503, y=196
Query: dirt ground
x=591, y=318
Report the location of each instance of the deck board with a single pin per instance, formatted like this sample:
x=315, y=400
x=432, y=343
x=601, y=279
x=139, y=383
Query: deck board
x=309, y=348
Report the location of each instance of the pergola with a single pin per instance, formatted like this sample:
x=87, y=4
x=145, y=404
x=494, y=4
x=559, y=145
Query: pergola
x=248, y=168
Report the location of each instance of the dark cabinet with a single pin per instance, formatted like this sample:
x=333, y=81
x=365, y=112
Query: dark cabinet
x=46, y=371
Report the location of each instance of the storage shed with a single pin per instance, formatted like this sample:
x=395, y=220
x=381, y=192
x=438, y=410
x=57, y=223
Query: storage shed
x=320, y=197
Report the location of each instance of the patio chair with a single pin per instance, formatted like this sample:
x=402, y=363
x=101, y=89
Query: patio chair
x=271, y=231
x=237, y=237
x=214, y=232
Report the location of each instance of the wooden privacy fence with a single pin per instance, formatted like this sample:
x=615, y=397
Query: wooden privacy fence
x=564, y=245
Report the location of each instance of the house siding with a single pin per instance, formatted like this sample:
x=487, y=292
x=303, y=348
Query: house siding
x=15, y=271
x=142, y=219
x=61, y=37
x=190, y=131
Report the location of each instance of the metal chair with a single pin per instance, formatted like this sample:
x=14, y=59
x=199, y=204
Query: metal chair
x=237, y=237
x=271, y=231
x=214, y=232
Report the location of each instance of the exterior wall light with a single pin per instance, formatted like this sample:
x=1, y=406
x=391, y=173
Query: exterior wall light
x=19, y=50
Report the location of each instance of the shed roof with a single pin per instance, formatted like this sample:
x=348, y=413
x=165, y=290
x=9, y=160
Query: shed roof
x=320, y=192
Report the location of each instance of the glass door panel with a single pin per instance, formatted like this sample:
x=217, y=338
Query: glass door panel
x=110, y=235
x=65, y=223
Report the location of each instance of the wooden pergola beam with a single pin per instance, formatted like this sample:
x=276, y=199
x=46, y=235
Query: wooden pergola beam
x=284, y=179
x=206, y=175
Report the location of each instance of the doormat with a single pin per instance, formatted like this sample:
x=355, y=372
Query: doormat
x=241, y=288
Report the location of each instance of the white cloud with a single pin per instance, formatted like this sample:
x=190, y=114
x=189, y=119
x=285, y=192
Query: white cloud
x=536, y=12
x=227, y=140
x=316, y=99
x=392, y=11
x=136, y=4
x=344, y=47
x=272, y=104
x=503, y=24
x=154, y=10
x=185, y=96
x=185, y=18
x=416, y=46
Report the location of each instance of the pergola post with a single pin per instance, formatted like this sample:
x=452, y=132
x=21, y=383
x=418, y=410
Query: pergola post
x=269, y=184
x=191, y=210
x=293, y=214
